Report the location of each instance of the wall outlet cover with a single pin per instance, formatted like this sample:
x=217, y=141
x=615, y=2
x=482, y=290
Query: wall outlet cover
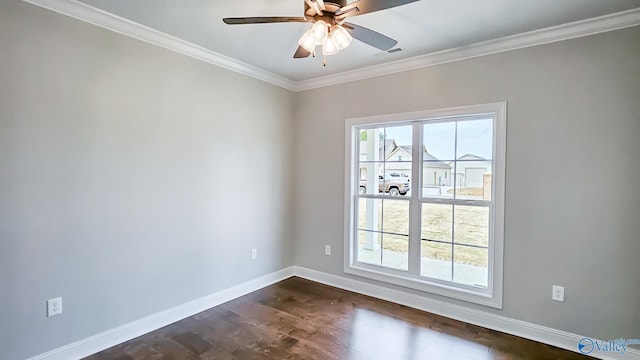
x=557, y=293
x=54, y=306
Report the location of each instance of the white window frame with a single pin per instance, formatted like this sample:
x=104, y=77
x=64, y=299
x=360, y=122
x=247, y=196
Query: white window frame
x=490, y=296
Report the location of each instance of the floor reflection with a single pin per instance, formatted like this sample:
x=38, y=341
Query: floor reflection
x=379, y=336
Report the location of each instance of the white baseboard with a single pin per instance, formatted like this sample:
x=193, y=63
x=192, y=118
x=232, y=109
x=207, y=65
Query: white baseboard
x=543, y=334
x=109, y=338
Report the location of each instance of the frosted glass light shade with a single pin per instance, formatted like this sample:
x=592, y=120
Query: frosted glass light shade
x=329, y=46
x=341, y=36
x=307, y=41
x=319, y=31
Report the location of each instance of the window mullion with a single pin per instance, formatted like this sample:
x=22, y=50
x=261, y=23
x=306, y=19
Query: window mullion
x=414, y=202
x=453, y=208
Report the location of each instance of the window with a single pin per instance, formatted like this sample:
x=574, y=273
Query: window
x=439, y=226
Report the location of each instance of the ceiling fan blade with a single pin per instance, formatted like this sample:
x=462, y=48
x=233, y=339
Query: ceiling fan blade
x=301, y=53
x=314, y=5
x=262, y=20
x=370, y=37
x=368, y=6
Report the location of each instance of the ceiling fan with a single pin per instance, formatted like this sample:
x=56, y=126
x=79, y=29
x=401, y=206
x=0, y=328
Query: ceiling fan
x=330, y=29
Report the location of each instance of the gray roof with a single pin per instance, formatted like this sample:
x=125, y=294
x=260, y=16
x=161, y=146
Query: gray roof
x=384, y=148
x=389, y=145
x=473, y=157
x=426, y=156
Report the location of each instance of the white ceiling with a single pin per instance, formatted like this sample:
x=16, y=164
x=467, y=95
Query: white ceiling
x=421, y=27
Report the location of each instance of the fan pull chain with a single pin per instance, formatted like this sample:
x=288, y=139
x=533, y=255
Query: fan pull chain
x=324, y=61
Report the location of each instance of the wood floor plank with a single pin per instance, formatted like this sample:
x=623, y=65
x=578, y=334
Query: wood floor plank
x=300, y=319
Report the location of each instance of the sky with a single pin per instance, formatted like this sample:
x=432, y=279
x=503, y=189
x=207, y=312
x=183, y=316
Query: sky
x=474, y=137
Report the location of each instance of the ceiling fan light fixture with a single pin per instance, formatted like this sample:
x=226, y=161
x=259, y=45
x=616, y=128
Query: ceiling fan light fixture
x=308, y=41
x=328, y=27
x=329, y=47
x=341, y=36
x=319, y=31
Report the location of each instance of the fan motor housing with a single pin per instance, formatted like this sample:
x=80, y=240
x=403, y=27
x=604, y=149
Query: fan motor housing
x=330, y=6
x=337, y=3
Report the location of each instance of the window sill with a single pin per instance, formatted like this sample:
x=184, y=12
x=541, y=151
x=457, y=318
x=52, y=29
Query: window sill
x=459, y=292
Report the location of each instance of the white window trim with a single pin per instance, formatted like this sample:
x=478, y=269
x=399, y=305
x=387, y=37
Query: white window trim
x=492, y=296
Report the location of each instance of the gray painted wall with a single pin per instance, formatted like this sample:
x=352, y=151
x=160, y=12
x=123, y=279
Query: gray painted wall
x=132, y=179
x=572, y=197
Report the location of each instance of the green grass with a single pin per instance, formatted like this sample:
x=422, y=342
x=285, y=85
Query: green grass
x=471, y=227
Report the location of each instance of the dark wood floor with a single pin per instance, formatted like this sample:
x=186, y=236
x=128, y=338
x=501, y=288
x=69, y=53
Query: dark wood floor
x=301, y=319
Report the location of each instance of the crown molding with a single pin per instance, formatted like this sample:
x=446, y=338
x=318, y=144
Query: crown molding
x=95, y=16
x=548, y=35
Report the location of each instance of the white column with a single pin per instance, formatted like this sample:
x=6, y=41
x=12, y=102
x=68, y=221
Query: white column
x=373, y=146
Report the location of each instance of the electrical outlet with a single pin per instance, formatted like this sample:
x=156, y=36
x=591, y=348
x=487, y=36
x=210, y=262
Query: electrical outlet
x=327, y=249
x=54, y=307
x=557, y=293
x=254, y=254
